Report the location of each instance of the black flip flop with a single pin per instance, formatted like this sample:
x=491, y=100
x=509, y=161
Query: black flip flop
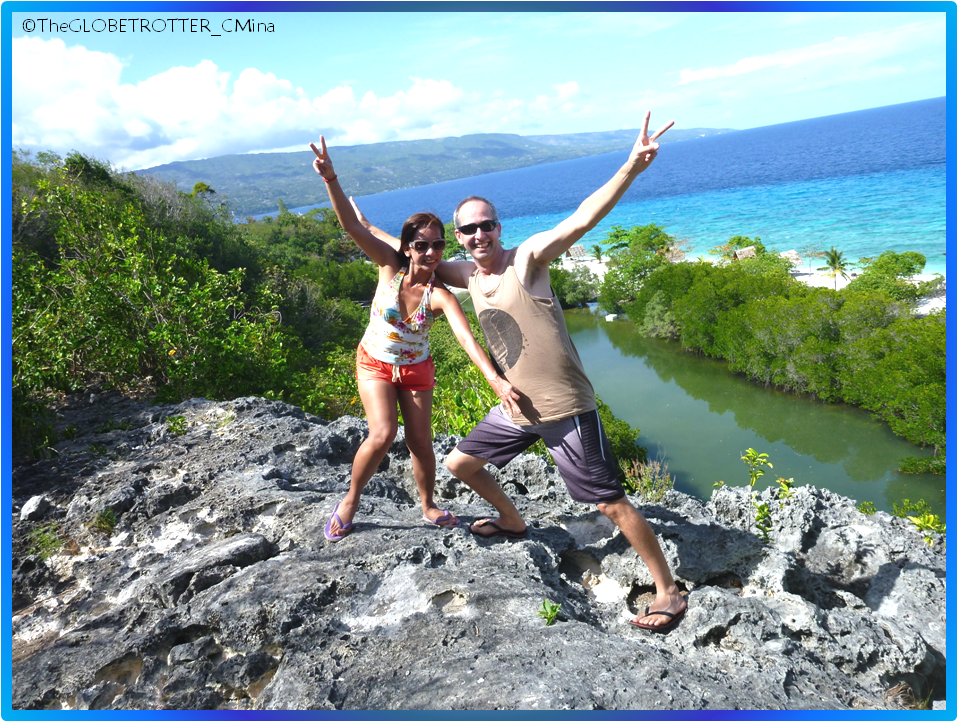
x=661, y=627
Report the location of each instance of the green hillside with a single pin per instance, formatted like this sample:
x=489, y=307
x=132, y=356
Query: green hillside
x=254, y=183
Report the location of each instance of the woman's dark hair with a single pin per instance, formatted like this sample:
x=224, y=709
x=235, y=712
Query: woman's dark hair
x=419, y=222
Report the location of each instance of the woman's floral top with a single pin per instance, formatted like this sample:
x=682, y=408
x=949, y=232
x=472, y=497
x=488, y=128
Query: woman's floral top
x=390, y=338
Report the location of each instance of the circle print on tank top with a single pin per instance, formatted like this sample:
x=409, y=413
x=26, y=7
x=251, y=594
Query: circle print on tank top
x=503, y=336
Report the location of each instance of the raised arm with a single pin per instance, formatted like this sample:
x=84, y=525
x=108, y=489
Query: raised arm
x=452, y=273
x=382, y=253
x=443, y=300
x=378, y=232
x=545, y=247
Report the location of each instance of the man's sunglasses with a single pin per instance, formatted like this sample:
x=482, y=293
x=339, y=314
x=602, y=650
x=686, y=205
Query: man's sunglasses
x=484, y=226
x=423, y=246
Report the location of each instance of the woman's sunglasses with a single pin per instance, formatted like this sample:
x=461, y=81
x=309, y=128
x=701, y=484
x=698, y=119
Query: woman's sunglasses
x=484, y=226
x=423, y=246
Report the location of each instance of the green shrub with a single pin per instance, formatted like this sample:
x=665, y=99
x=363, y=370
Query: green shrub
x=763, y=519
x=32, y=426
x=867, y=508
x=622, y=438
x=907, y=507
x=899, y=265
x=859, y=345
x=887, y=275
x=658, y=319
x=649, y=479
x=634, y=254
x=899, y=373
x=931, y=465
x=575, y=288
x=122, y=302
x=328, y=390
x=112, y=425
x=735, y=243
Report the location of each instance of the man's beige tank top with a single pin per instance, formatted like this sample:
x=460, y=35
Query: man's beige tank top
x=529, y=343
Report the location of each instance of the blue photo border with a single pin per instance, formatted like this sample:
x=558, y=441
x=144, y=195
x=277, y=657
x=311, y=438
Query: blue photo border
x=6, y=11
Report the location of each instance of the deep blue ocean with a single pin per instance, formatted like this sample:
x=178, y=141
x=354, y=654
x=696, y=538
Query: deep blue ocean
x=863, y=182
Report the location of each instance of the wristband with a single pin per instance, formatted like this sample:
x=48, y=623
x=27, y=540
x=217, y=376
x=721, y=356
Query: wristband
x=330, y=180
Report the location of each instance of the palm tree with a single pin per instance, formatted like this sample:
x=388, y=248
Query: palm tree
x=835, y=264
x=597, y=252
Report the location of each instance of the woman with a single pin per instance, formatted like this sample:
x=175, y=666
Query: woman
x=393, y=362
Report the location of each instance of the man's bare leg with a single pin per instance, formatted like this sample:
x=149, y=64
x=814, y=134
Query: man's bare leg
x=640, y=535
x=472, y=471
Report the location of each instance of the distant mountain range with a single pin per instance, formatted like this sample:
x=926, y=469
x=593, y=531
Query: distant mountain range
x=256, y=182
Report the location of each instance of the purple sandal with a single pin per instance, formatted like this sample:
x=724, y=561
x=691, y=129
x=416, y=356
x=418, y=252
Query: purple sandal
x=344, y=529
x=443, y=521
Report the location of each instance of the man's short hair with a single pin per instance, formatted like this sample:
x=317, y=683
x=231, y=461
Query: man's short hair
x=455, y=213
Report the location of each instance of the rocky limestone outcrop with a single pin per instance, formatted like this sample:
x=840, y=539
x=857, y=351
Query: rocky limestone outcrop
x=194, y=575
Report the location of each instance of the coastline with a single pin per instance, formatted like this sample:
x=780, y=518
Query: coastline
x=817, y=279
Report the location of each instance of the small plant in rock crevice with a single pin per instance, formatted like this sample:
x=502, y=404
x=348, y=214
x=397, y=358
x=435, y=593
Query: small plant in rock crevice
x=113, y=425
x=763, y=514
x=763, y=518
x=45, y=540
x=105, y=522
x=549, y=612
x=785, y=490
x=176, y=425
x=755, y=461
x=928, y=523
x=921, y=518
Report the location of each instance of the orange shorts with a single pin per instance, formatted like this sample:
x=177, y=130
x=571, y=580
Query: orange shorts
x=412, y=377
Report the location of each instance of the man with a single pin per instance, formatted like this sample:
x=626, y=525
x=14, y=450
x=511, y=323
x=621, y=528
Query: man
x=527, y=337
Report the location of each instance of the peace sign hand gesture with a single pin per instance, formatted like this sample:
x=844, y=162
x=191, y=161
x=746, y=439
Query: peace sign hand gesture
x=322, y=162
x=645, y=148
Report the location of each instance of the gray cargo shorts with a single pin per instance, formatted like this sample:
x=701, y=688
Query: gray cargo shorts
x=578, y=445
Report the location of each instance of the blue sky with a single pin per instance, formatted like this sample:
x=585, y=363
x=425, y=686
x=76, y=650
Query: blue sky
x=144, y=98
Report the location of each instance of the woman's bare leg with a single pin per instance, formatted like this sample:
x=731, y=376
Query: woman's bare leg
x=379, y=400
x=416, y=409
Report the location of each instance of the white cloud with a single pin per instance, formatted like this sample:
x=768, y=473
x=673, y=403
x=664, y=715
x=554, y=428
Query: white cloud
x=567, y=90
x=67, y=98
x=858, y=50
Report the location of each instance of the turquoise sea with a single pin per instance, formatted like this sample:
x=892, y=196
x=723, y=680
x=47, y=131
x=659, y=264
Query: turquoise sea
x=862, y=216
x=831, y=181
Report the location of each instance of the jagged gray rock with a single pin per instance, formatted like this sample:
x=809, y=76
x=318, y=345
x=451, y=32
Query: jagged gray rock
x=216, y=589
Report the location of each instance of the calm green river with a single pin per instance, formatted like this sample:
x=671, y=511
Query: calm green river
x=700, y=418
